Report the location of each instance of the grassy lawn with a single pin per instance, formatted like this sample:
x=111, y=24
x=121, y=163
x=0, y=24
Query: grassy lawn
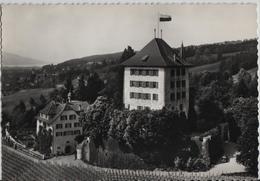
x=10, y=101
x=213, y=67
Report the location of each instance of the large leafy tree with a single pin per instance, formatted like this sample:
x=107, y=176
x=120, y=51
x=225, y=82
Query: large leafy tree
x=245, y=112
x=209, y=110
x=80, y=93
x=94, y=85
x=248, y=146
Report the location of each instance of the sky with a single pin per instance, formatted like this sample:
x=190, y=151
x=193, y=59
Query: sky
x=55, y=33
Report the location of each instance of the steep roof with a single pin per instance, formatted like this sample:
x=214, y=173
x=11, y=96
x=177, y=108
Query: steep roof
x=55, y=109
x=51, y=108
x=157, y=53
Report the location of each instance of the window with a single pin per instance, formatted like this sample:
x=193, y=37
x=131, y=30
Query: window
x=178, y=96
x=63, y=117
x=58, y=133
x=72, y=117
x=131, y=83
x=131, y=95
x=58, y=147
x=155, y=96
x=183, y=83
x=172, y=84
x=136, y=95
x=178, y=72
x=183, y=94
x=139, y=107
x=172, y=72
x=178, y=83
x=155, y=72
x=77, y=124
x=155, y=84
x=183, y=71
x=181, y=107
x=146, y=84
x=143, y=72
x=67, y=133
x=76, y=132
x=58, y=126
x=147, y=107
x=68, y=125
x=172, y=97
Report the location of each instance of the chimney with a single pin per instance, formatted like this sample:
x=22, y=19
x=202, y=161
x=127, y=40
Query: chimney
x=69, y=97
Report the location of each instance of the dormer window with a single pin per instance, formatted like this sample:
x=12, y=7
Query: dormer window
x=145, y=58
x=63, y=117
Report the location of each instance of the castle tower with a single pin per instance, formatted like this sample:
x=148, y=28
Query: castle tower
x=155, y=78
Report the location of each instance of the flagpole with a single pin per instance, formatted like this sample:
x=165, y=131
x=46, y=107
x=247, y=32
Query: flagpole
x=158, y=25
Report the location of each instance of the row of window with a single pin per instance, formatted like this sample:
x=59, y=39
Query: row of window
x=67, y=133
x=145, y=96
x=178, y=84
x=65, y=117
x=145, y=72
x=68, y=125
x=143, y=84
x=178, y=96
x=153, y=72
x=178, y=72
x=169, y=106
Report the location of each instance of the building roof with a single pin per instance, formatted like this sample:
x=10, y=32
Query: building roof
x=55, y=109
x=157, y=53
x=51, y=108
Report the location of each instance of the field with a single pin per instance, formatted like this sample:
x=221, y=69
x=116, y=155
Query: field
x=252, y=72
x=10, y=101
x=16, y=166
x=214, y=67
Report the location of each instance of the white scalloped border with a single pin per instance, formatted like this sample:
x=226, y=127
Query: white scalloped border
x=130, y=2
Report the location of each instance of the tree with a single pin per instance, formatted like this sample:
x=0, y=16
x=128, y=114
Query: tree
x=209, y=111
x=129, y=52
x=43, y=99
x=114, y=85
x=81, y=90
x=44, y=140
x=96, y=120
x=253, y=87
x=95, y=84
x=244, y=109
x=68, y=84
x=241, y=89
x=248, y=146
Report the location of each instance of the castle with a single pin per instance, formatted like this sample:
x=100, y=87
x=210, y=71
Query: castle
x=156, y=77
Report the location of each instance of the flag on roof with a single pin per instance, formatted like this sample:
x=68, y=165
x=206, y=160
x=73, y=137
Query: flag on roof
x=165, y=17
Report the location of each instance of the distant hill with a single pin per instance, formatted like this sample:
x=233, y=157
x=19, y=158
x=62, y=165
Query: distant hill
x=90, y=60
x=12, y=60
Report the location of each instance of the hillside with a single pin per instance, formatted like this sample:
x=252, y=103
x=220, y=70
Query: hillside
x=10, y=101
x=11, y=60
x=213, y=67
x=252, y=72
x=90, y=60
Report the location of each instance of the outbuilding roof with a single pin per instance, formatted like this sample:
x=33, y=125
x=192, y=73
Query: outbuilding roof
x=157, y=53
x=54, y=109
